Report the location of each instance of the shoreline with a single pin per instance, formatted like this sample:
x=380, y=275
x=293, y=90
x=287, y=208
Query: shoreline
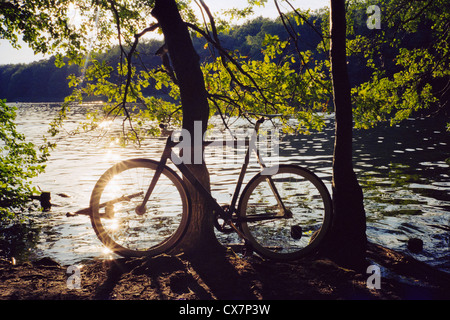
x=229, y=277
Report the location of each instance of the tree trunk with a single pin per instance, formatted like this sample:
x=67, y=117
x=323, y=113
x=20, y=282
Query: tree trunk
x=200, y=237
x=347, y=240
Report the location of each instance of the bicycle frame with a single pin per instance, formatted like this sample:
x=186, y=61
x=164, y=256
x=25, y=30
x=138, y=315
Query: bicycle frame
x=218, y=209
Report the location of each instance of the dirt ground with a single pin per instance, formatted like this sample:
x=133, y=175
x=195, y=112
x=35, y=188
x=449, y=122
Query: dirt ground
x=226, y=278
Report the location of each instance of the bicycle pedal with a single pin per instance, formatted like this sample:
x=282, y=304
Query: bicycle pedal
x=109, y=211
x=296, y=232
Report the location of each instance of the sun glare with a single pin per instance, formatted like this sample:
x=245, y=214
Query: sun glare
x=105, y=124
x=114, y=225
x=111, y=155
x=107, y=251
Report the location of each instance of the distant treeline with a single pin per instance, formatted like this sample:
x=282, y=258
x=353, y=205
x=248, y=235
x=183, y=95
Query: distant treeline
x=43, y=81
x=34, y=82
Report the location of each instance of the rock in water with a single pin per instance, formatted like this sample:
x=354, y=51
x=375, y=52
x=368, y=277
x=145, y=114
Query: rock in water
x=415, y=245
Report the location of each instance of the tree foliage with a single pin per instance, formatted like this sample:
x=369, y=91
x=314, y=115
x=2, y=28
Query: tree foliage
x=407, y=61
x=43, y=24
x=396, y=71
x=20, y=162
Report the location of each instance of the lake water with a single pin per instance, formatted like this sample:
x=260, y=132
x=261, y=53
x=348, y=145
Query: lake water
x=402, y=169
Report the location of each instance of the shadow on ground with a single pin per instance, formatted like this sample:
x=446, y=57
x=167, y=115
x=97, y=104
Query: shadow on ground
x=224, y=277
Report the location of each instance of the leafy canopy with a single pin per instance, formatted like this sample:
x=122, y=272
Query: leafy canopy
x=407, y=60
x=402, y=67
x=284, y=80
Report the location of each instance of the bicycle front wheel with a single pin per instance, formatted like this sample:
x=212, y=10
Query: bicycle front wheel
x=285, y=215
x=130, y=232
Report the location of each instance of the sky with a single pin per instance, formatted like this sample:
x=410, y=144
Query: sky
x=9, y=55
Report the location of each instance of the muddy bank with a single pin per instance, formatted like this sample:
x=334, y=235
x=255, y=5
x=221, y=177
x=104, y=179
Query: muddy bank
x=226, y=278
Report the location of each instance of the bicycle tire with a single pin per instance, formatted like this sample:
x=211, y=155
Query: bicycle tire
x=307, y=198
x=115, y=197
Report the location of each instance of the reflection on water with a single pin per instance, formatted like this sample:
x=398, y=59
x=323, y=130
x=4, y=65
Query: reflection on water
x=406, y=182
x=402, y=169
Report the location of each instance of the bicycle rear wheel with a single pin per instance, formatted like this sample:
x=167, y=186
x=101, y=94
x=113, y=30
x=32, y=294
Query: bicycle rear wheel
x=291, y=233
x=117, y=194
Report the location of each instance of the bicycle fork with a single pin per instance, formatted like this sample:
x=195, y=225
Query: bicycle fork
x=141, y=209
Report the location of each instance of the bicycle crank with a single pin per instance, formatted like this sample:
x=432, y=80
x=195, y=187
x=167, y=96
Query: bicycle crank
x=221, y=224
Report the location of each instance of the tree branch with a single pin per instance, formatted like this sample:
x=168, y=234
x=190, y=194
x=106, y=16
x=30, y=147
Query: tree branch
x=226, y=56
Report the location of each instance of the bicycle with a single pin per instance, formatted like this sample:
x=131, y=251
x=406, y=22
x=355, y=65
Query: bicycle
x=141, y=207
